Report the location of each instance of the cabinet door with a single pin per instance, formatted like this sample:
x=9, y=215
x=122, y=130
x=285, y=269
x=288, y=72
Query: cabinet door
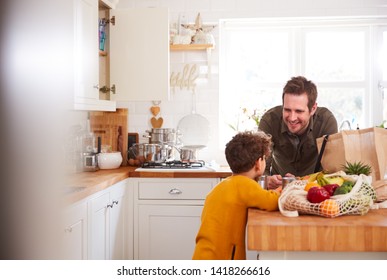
x=75, y=233
x=99, y=227
x=167, y=231
x=117, y=222
x=139, y=52
x=86, y=51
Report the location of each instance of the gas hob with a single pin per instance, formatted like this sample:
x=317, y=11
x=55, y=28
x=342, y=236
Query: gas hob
x=175, y=166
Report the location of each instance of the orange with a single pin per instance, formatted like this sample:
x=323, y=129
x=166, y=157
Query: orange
x=310, y=185
x=329, y=208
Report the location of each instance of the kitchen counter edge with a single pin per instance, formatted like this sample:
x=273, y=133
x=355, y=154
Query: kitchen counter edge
x=89, y=183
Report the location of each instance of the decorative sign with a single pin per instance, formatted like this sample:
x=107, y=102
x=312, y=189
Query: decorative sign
x=185, y=79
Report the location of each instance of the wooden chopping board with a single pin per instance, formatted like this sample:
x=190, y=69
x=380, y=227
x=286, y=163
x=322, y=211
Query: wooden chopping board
x=112, y=127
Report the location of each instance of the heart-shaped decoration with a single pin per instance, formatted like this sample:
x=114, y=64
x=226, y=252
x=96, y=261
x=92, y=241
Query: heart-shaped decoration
x=156, y=123
x=155, y=110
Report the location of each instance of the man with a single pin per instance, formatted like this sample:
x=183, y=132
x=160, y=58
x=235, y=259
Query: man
x=294, y=127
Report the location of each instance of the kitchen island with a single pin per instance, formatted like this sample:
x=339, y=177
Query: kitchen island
x=273, y=232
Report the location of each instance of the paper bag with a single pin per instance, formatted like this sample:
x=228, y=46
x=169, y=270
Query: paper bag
x=366, y=145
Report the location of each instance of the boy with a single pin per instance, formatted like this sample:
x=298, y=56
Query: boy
x=222, y=233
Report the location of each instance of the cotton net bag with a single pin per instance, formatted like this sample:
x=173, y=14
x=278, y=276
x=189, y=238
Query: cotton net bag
x=358, y=201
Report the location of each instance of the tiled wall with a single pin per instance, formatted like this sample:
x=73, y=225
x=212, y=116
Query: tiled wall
x=207, y=90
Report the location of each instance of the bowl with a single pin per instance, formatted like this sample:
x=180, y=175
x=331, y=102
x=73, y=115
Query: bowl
x=110, y=160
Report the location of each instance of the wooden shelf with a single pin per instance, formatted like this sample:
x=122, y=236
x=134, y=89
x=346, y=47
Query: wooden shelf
x=196, y=47
x=191, y=47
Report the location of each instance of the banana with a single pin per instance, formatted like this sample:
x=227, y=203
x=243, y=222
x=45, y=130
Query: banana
x=325, y=180
x=311, y=177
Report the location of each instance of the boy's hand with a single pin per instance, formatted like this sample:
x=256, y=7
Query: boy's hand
x=279, y=189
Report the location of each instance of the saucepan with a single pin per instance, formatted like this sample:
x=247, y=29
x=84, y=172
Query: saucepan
x=140, y=153
x=187, y=154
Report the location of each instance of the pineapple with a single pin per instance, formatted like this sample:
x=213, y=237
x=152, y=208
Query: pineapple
x=357, y=168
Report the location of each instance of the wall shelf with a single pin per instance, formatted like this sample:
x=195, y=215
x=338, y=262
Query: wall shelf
x=191, y=47
x=196, y=47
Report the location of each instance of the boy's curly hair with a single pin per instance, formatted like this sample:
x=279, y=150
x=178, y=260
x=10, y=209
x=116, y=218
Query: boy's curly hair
x=245, y=148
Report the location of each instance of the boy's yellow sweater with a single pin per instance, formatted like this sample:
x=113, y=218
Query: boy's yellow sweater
x=222, y=232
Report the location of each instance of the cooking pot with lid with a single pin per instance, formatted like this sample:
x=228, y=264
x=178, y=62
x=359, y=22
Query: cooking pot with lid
x=163, y=136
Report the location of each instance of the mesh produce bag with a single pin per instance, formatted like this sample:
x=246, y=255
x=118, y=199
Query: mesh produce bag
x=293, y=201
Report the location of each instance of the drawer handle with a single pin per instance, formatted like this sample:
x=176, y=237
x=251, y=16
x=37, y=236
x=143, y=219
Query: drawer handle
x=175, y=191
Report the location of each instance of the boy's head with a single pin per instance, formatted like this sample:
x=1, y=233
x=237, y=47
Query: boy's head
x=245, y=148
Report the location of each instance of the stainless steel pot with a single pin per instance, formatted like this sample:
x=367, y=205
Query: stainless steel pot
x=163, y=136
x=140, y=153
x=186, y=154
x=153, y=153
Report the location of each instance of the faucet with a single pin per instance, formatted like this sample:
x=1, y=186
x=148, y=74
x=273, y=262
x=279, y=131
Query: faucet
x=343, y=123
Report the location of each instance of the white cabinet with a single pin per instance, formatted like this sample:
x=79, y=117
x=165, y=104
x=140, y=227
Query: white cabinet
x=139, y=54
x=167, y=216
x=75, y=232
x=135, y=65
x=86, y=60
x=108, y=213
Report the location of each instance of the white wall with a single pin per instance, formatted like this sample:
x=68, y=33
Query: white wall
x=208, y=89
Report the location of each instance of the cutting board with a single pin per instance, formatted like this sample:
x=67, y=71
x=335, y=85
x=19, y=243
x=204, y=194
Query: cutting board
x=112, y=127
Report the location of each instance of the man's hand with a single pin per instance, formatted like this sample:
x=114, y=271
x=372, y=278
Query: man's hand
x=274, y=182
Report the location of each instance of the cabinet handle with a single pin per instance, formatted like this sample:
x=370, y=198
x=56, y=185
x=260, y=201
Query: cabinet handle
x=113, y=89
x=175, y=191
x=111, y=205
x=68, y=229
x=106, y=89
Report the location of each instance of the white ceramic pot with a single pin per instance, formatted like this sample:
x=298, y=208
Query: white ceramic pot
x=110, y=160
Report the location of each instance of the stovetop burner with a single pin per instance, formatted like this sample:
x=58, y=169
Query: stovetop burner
x=175, y=164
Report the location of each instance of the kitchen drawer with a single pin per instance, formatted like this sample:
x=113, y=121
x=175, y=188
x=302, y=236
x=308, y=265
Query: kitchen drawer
x=176, y=190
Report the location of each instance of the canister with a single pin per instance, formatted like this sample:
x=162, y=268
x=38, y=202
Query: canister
x=263, y=182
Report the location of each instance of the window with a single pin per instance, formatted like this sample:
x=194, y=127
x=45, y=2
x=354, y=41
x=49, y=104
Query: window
x=340, y=56
x=383, y=84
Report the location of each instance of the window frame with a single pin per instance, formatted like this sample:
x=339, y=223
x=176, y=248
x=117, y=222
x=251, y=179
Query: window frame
x=373, y=83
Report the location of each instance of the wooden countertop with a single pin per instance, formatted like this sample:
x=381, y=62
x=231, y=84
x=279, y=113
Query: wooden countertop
x=271, y=231
x=84, y=184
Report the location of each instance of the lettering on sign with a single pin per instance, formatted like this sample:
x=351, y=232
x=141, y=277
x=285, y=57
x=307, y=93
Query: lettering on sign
x=185, y=79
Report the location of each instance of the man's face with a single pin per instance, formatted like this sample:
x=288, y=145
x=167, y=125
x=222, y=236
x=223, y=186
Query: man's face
x=296, y=114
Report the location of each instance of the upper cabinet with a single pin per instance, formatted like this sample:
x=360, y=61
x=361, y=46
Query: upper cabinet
x=139, y=54
x=134, y=65
x=86, y=68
